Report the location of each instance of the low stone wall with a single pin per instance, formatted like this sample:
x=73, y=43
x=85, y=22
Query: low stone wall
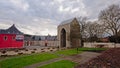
x=117, y=45
x=101, y=45
x=6, y=53
x=41, y=43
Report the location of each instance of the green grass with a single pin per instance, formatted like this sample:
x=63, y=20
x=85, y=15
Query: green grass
x=19, y=62
x=60, y=64
x=68, y=52
x=74, y=51
x=24, y=60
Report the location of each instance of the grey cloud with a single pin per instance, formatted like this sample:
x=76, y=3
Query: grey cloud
x=43, y=16
x=95, y=6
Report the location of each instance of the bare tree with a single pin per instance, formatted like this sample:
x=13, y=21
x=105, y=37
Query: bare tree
x=95, y=30
x=83, y=25
x=111, y=19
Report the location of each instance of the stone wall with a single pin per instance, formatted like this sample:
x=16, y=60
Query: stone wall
x=101, y=45
x=75, y=33
x=41, y=43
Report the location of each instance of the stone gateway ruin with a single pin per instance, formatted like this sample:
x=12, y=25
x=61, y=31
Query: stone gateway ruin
x=69, y=33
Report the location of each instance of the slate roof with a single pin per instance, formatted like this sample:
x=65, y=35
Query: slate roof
x=39, y=38
x=10, y=30
x=67, y=21
x=51, y=38
x=42, y=38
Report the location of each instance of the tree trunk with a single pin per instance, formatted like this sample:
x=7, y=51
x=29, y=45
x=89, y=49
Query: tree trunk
x=116, y=37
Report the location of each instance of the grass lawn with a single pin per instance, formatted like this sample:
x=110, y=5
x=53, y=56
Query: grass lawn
x=60, y=64
x=19, y=62
x=24, y=60
x=80, y=50
x=68, y=52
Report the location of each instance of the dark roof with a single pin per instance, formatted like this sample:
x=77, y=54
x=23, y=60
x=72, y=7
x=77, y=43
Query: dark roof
x=39, y=38
x=68, y=21
x=11, y=30
x=51, y=38
x=42, y=38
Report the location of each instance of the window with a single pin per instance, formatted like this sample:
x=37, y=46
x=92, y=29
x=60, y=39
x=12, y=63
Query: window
x=13, y=38
x=5, y=37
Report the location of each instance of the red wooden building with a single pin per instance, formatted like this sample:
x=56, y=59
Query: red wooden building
x=11, y=38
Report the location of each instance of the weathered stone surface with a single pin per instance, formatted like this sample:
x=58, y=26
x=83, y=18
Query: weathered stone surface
x=11, y=53
x=69, y=33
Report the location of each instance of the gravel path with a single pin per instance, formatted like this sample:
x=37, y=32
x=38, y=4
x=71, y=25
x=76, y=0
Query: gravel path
x=79, y=58
x=83, y=57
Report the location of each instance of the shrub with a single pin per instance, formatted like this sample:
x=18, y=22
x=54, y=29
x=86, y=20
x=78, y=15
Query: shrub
x=51, y=50
x=32, y=51
x=26, y=49
x=4, y=55
x=3, y=51
x=20, y=53
x=48, y=48
x=42, y=49
x=16, y=50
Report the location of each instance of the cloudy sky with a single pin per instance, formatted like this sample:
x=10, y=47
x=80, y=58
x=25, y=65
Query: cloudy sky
x=41, y=17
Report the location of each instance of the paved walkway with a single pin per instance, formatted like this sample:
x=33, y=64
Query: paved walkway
x=80, y=59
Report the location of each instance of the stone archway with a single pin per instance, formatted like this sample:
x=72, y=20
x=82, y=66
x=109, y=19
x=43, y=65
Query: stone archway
x=69, y=33
x=63, y=38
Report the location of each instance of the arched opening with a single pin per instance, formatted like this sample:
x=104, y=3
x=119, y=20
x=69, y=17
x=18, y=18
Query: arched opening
x=63, y=38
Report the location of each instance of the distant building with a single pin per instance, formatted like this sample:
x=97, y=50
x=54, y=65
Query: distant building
x=30, y=40
x=43, y=38
x=11, y=38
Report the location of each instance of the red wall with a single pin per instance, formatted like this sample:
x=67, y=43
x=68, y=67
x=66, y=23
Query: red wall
x=10, y=42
